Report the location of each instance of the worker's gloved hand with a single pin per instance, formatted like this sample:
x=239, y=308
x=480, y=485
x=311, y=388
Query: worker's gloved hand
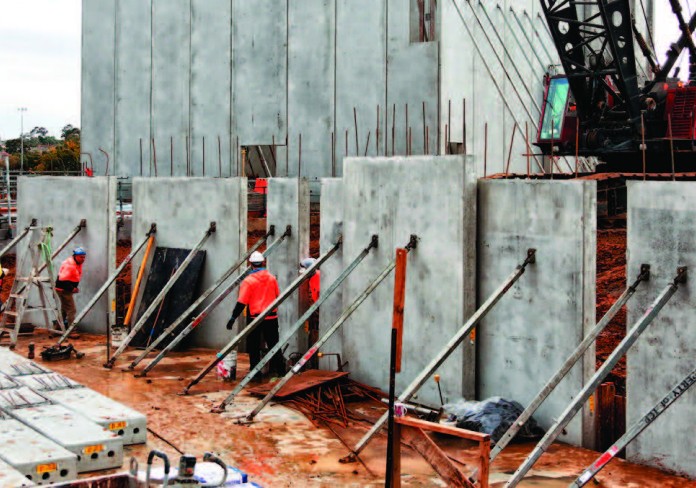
x=230, y=324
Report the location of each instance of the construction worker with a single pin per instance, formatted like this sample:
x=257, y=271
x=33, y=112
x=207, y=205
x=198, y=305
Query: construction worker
x=67, y=283
x=312, y=326
x=258, y=290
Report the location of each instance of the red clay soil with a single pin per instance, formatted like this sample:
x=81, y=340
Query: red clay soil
x=611, y=282
x=9, y=261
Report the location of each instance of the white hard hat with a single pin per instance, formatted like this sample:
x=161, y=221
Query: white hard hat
x=256, y=258
x=5, y=271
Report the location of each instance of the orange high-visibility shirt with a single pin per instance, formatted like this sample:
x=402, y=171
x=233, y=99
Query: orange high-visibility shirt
x=314, y=286
x=258, y=291
x=69, y=275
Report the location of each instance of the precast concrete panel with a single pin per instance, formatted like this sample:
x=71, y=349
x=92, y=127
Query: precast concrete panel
x=661, y=227
x=183, y=208
x=533, y=329
x=288, y=204
x=394, y=198
x=133, y=84
x=61, y=202
x=95, y=447
x=171, y=70
x=98, y=90
x=330, y=227
x=129, y=424
x=259, y=76
x=36, y=457
x=10, y=477
x=311, y=59
x=211, y=24
x=361, y=71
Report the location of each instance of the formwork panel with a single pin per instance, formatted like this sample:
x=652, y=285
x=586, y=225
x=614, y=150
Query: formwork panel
x=36, y=457
x=311, y=86
x=95, y=447
x=63, y=202
x=531, y=332
x=441, y=271
x=288, y=204
x=183, y=209
x=210, y=87
x=10, y=477
x=661, y=228
x=330, y=226
x=110, y=414
x=133, y=85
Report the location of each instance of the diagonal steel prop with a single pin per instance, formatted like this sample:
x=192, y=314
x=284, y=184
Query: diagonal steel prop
x=150, y=235
x=412, y=244
x=20, y=236
x=183, y=316
x=634, y=431
x=325, y=294
x=210, y=307
x=568, y=365
x=162, y=294
x=589, y=388
x=445, y=352
x=281, y=298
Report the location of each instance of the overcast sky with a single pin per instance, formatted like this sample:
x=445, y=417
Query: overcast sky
x=40, y=60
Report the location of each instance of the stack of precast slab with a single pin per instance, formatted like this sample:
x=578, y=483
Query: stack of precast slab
x=52, y=428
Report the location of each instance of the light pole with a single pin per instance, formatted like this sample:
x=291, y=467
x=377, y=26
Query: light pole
x=21, y=139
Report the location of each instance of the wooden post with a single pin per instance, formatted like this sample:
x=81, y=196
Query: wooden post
x=399, y=302
x=605, y=411
x=138, y=280
x=396, y=456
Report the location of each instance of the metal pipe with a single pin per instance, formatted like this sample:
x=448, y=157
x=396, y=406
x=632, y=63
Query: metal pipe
x=162, y=294
x=261, y=317
x=325, y=294
x=569, y=363
x=448, y=349
x=675, y=393
x=413, y=242
x=589, y=388
x=19, y=237
x=208, y=309
x=183, y=316
x=105, y=286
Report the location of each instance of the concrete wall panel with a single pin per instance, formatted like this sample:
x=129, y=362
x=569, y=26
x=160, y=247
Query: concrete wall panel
x=61, y=203
x=661, y=227
x=311, y=85
x=210, y=87
x=441, y=271
x=331, y=224
x=360, y=73
x=288, y=204
x=260, y=70
x=174, y=204
x=133, y=83
x=98, y=45
x=550, y=309
x=171, y=63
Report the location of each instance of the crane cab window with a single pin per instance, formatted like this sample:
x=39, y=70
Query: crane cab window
x=554, y=109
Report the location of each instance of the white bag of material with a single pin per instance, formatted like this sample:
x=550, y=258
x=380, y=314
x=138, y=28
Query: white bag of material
x=227, y=368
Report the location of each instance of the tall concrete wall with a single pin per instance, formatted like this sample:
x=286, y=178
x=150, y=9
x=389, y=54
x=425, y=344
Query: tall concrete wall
x=288, y=204
x=61, y=203
x=661, y=227
x=440, y=290
x=537, y=325
x=330, y=226
x=182, y=208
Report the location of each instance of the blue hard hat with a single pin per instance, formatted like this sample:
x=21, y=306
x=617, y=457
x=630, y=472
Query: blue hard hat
x=307, y=262
x=78, y=251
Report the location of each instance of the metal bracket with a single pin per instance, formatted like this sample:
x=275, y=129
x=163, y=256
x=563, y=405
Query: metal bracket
x=644, y=272
x=271, y=230
x=212, y=228
x=33, y=223
x=153, y=229
x=412, y=242
x=681, y=275
x=82, y=224
x=531, y=256
x=288, y=231
x=374, y=242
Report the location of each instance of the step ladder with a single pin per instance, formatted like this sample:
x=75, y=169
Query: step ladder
x=17, y=305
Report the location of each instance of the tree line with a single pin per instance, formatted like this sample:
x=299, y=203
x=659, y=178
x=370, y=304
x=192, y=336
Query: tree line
x=45, y=153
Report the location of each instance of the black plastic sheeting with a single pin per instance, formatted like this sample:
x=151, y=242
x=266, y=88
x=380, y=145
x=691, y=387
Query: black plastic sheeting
x=165, y=263
x=492, y=416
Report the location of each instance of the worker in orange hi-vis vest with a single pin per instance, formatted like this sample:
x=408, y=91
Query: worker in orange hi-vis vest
x=312, y=326
x=258, y=290
x=69, y=277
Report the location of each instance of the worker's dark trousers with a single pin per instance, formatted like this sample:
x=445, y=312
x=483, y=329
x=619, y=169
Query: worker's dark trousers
x=268, y=332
